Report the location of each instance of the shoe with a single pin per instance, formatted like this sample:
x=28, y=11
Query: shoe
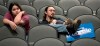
x=76, y=34
x=70, y=30
x=77, y=24
x=73, y=27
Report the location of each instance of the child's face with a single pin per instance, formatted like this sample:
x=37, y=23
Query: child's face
x=15, y=10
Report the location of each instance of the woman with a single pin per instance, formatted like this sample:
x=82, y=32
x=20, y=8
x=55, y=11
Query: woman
x=16, y=16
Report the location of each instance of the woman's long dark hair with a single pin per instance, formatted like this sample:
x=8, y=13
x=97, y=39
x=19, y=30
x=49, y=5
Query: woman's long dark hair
x=11, y=5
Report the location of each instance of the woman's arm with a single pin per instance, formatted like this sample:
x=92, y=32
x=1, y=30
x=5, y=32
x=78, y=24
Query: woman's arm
x=12, y=24
x=17, y=19
x=6, y=21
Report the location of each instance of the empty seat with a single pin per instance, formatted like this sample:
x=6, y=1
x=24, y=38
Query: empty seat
x=21, y=2
x=30, y=10
x=20, y=33
x=98, y=13
x=3, y=10
x=90, y=18
x=66, y=4
x=56, y=1
x=97, y=32
x=62, y=37
x=40, y=32
x=6, y=32
x=30, y=1
x=82, y=1
x=85, y=42
x=49, y=42
x=93, y=4
x=41, y=3
x=78, y=11
x=5, y=1
x=60, y=17
x=2, y=2
x=58, y=11
x=13, y=42
x=1, y=21
x=33, y=21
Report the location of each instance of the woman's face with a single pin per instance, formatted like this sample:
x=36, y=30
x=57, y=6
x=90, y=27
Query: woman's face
x=15, y=10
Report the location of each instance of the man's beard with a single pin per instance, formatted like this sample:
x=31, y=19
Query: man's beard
x=51, y=17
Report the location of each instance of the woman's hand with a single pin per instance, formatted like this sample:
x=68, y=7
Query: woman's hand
x=12, y=25
x=22, y=12
x=18, y=18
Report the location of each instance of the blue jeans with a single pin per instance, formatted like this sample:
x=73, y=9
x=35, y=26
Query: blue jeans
x=60, y=27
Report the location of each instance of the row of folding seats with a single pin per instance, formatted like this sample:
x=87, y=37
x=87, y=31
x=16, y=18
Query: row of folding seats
x=56, y=1
x=35, y=34
x=71, y=12
x=81, y=10
x=21, y=42
x=34, y=31
x=83, y=18
x=34, y=21
x=48, y=42
x=44, y=32
x=13, y=42
x=85, y=42
x=64, y=4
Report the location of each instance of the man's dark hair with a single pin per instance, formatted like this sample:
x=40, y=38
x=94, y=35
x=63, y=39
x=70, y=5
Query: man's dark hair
x=44, y=17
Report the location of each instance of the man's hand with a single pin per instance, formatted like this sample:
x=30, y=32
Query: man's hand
x=54, y=21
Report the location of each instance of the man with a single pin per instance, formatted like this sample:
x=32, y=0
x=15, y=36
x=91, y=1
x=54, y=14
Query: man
x=67, y=25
